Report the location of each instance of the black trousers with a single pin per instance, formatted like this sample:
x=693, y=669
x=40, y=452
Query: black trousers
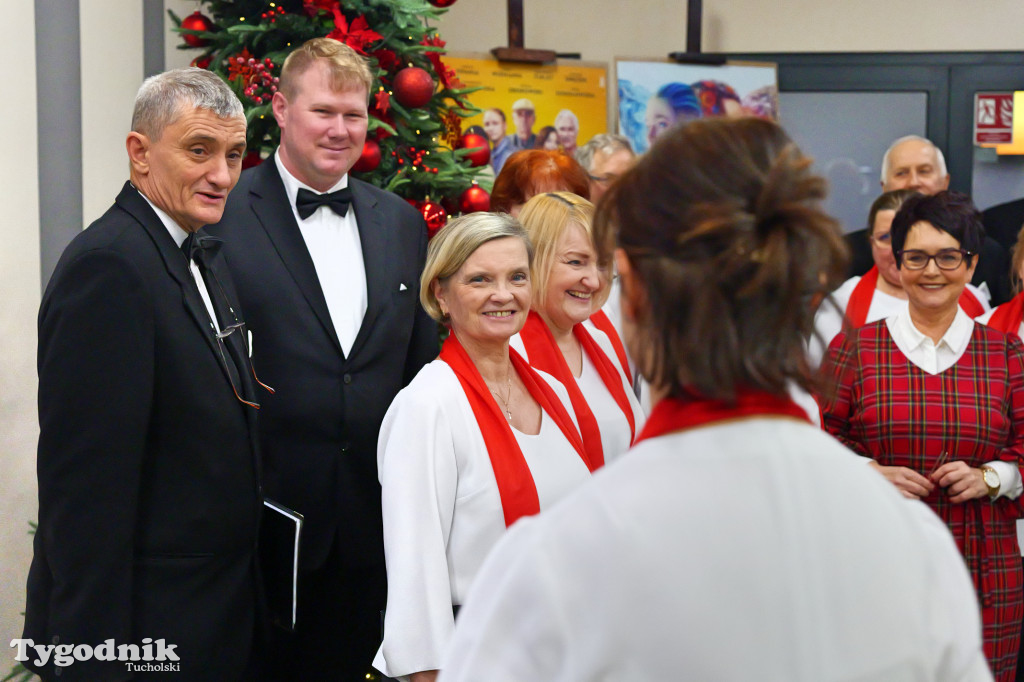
x=337, y=625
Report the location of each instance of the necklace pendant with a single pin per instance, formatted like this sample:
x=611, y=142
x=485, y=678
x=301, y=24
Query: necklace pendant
x=508, y=414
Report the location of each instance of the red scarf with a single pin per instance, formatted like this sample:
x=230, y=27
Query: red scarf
x=860, y=300
x=516, y=488
x=1008, y=317
x=601, y=321
x=545, y=355
x=678, y=414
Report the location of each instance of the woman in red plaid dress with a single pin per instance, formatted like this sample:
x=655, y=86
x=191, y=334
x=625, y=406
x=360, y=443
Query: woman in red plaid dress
x=938, y=403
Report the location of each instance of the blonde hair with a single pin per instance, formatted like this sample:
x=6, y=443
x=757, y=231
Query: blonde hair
x=545, y=218
x=455, y=243
x=348, y=71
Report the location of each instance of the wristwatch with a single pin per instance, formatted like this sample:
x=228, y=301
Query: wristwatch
x=991, y=478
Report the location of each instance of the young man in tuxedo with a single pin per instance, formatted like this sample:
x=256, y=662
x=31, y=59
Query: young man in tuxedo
x=149, y=492
x=328, y=271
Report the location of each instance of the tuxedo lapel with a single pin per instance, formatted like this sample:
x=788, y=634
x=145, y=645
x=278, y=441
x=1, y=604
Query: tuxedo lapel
x=374, y=240
x=270, y=203
x=174, y=260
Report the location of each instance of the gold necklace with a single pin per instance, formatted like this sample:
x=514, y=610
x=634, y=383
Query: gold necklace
x=508, y=393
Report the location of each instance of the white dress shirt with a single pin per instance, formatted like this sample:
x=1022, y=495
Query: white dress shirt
x=179, y=236
x=935, y=358
x=762, y=571
x=333, y=244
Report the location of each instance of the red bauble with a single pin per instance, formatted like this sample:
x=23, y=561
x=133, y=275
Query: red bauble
x=475, y=199
x=413, y=87
x=471, y=141
x=442, y=3
x=435, y=215
x=369, y=159
x=196, y=22
x=201, y=62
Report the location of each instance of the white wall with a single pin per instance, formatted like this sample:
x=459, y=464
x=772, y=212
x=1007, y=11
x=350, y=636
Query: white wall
x=111, y=74
x=605, y=29
x=19, y=282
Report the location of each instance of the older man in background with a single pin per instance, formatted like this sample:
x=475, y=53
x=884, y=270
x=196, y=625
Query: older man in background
x=567, y=125
x=605, y=157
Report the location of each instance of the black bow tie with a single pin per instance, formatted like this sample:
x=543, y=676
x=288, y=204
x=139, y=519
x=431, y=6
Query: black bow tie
x=198, y=247
x=307, y=202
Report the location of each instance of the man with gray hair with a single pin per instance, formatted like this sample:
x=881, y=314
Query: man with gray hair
x=149, y=488
x=606, y=156
x=567, y=125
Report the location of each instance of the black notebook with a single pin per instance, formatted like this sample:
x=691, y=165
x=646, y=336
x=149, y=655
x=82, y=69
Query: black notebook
x=279, y=557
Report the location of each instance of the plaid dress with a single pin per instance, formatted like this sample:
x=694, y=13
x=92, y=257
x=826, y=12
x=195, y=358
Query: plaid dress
x=887, y=408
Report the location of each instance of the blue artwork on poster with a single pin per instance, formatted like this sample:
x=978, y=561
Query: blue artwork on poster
x=654, y=96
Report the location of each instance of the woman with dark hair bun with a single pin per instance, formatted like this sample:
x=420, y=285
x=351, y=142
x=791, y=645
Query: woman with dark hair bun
x=937, y=402
x=735, y=540
x=535, y=171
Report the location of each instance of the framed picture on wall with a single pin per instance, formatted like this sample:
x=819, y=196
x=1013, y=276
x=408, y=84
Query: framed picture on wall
x=655, y=95
x=534, y=106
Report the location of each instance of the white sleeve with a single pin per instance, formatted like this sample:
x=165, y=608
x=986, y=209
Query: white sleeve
x=983, y=295
x=419, y=475
x=828, y=322
x=510, y=628
x=1010, y=484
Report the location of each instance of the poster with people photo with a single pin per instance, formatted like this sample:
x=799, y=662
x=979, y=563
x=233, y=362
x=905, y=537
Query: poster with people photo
x=534, y=106
x=654, y=96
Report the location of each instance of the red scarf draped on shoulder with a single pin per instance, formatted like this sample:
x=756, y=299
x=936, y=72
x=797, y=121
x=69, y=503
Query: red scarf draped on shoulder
x=860, y=300
x=1008, y=317
x=601, y=321
x=545, y=355
x=677, y=414
x=516, y=488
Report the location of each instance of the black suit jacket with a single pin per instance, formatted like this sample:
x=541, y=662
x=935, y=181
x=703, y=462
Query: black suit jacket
x=319, y=430
x=993, y=265
x=1004, y=221
x=149, y=497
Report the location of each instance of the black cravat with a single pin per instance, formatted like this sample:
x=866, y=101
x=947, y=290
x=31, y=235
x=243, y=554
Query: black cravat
x=307, y=202
x=197, y=248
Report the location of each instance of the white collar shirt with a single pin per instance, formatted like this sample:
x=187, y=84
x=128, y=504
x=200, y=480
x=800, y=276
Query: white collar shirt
x=336, y=250
x=931, y=357
x=179, y=235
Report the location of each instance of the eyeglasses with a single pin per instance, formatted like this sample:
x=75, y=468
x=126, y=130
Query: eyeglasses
x=224, y=333
x=947, y=259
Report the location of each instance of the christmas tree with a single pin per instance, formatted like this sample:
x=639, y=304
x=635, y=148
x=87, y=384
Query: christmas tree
x=414, y=145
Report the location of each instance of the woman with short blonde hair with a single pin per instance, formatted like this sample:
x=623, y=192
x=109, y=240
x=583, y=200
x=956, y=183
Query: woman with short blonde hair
x=567, y=335
x=476, y=441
